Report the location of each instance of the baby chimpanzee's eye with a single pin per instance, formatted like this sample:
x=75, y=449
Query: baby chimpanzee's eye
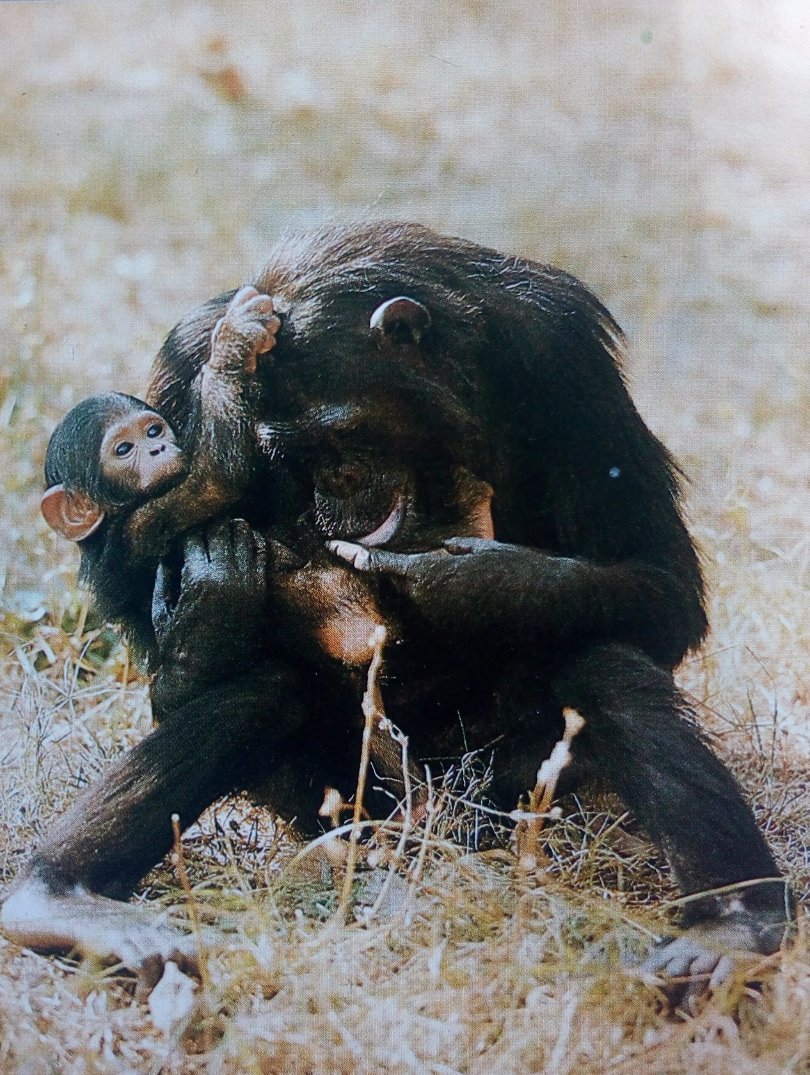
x=154, y=430
x=124, y=448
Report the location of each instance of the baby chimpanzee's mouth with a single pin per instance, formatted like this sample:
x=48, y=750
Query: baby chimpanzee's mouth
x=387, y=529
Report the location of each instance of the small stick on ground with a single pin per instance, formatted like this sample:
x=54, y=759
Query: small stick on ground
x=191, y=903
x=407, y=821
x=530, y=854
x=372, y=711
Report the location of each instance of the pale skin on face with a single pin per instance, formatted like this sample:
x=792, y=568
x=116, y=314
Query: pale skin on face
x=139, y=452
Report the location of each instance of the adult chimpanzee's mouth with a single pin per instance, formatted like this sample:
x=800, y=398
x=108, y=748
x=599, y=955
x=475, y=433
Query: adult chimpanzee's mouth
x=387, y=529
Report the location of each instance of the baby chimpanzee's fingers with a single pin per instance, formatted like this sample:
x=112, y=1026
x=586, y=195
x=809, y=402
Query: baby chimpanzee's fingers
x=242, y=297
x=260, y=306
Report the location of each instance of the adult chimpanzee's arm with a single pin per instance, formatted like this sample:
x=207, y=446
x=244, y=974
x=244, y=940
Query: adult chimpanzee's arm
x=518, y=597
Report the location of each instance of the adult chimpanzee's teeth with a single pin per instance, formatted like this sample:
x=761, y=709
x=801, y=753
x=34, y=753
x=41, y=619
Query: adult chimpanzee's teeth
x=387, y=529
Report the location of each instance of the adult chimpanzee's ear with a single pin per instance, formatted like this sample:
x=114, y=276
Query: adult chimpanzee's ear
x=73, y=515
x=400, y=321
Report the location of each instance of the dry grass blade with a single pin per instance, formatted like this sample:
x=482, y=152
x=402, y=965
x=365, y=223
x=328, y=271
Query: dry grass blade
x=373, y=711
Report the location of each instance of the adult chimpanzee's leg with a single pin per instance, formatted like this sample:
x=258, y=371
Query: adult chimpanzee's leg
x=219, y=737
x=641, y=741
x=122, y=826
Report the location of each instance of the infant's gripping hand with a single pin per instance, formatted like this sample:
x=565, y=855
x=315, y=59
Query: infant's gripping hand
x=246, y=330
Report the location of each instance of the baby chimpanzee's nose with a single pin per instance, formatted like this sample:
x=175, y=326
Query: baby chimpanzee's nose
x=156, y=451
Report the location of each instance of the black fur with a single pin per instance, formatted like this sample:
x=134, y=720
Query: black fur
x=598, y=593
x=590, y=596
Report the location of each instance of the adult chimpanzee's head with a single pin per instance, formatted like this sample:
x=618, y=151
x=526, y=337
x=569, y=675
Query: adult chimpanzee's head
x=390, y=464
x=373, y=395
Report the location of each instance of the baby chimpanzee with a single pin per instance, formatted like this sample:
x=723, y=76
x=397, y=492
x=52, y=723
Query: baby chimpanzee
x=120, y=484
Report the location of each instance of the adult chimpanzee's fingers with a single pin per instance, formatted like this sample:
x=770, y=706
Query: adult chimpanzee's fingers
x=460, y=546
x=195, y=555
x=281, y=557
x=259, y=553
x=353, y=554
x=221, y=545
x=162, y=601
x=209, y=555
x=248, y=547
x=160, y=594
x=373, y=560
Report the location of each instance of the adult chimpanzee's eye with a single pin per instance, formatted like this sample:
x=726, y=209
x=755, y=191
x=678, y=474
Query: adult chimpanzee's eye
x=154, y=430
x=124, y=448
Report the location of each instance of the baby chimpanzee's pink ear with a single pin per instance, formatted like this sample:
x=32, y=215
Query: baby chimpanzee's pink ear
x=73, y=515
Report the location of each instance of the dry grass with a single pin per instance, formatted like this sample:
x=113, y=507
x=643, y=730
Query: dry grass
x=149, y=152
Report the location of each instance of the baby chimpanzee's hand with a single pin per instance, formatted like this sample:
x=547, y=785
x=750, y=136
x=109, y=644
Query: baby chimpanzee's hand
x=246, y=330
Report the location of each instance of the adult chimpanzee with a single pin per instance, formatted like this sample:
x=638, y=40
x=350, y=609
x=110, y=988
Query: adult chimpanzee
x=403, y=358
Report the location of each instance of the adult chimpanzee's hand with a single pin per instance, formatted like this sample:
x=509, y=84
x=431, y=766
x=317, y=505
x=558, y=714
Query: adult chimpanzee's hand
x=451, y=574
x=212, y=629
x=223, y=574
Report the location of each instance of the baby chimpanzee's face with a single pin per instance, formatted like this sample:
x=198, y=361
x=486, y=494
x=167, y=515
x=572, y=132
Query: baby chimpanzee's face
x=140, y=454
